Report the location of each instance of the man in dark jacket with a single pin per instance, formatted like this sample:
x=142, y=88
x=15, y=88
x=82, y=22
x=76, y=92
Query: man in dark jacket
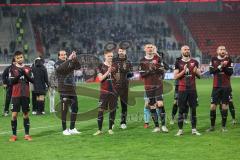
x=7, y=87
x=40, y=83
x=64, y=68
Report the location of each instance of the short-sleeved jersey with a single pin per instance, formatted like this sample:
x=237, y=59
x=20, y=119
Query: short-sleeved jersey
x=221, y=77
x=108, y=84
x=187, y=81
x=21, y=87
x=151, y=70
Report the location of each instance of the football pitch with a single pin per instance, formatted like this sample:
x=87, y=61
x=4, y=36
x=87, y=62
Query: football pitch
x=133, y=143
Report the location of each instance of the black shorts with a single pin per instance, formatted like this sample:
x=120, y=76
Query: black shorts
x=220, y=95
x=187, y=98
x=20, y=102
x=155, y=93
x=108, y=101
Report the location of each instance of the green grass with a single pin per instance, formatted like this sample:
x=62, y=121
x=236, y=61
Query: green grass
x=133, y=143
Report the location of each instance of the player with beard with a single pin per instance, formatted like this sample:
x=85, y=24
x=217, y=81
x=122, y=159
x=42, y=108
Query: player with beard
x=108, y=94
x=221, y=67
x=185, y=72
x=175, y=104
x=124, y=71
x=64, y=68
x=19, y=77
x=152, y=71
x=230, y=105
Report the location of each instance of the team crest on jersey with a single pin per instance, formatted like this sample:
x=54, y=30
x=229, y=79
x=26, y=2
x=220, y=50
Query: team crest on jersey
x=154, y=61
x=192, y=64
x=26, y=70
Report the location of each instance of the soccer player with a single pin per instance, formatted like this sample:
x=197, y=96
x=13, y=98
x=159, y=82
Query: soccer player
x=152, y=70
x=185, y=72
x=8, y=88
x=222, y=68
x=123, y=72
x=64, y=68
x=230, y=105
x=108, y=94
x=146, y=109
x=19, y=77
x=175, y=104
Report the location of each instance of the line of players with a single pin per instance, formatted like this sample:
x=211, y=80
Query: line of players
x=114, y=74
x=185, y=72
x=222, y=68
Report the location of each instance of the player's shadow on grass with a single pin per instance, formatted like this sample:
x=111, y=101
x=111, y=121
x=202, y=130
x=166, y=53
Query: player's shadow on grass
x=47, y=133
x=93, y=128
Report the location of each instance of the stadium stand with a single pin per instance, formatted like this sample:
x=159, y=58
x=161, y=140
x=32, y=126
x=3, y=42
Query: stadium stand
x=213, y=29
x=70, y=27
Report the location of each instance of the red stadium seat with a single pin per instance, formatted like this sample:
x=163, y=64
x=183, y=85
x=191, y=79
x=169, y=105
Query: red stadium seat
x=219, y=28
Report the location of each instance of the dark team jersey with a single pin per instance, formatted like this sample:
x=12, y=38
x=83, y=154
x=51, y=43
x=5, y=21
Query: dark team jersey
x=151, y=70
x=123, y=71
x=221, y=76
x=19, y=78
x=187, y=81
x=108, y=84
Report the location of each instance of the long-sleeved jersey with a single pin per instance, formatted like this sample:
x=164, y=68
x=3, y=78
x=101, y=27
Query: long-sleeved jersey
x=221, y=72
x=19, y=78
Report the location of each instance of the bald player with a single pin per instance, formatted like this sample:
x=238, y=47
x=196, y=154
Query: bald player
x=186, y=71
